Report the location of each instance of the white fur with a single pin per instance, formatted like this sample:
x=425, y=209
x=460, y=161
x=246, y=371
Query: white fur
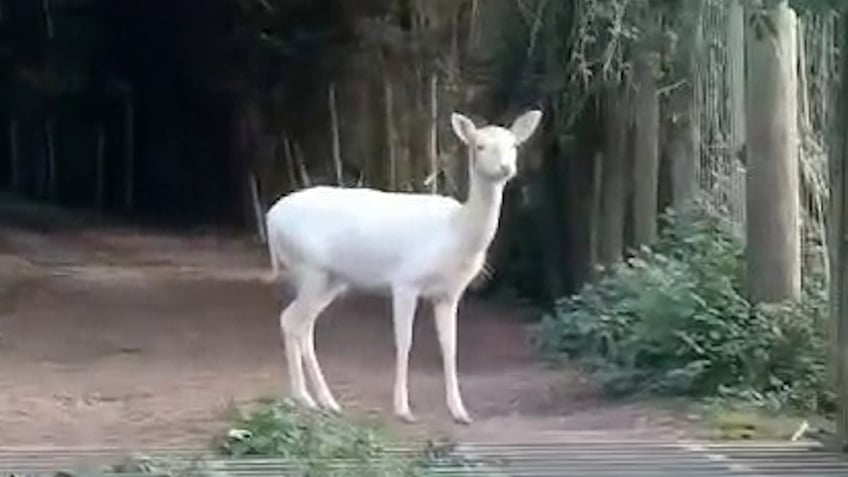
x=415, y=245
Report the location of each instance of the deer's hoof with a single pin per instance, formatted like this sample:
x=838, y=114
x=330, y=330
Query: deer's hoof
x=331, y=405
x=462, y=418
x=406, y=416
x=305, y=400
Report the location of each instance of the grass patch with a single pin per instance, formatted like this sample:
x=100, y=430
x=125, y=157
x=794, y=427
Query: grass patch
x=309, y=437
x=311, y=443
x=319, y=443
x=744, y=421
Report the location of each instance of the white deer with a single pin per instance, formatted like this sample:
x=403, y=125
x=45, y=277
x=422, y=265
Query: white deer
x=412, y=244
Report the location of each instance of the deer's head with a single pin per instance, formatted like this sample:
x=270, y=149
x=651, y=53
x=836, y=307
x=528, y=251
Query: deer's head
x=494, y=149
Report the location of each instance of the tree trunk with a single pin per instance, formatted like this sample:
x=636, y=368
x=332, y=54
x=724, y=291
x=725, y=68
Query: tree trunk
x=301, y=165
x=334, y=130
x=684, y=138
x=433, y=142
x=595, y=214
x=736, y=75
x=17, y=170
x=50, y=151
x=611, y=221
x=736, y=86
x=548, y=216
x=129, y=150
x=773, y=249
x=838, y=240
x=250, y=147
x=682, y=154
x=291, y=164
x=391, y=133
x=646, y=152
x=258, y=208
x=100, y=165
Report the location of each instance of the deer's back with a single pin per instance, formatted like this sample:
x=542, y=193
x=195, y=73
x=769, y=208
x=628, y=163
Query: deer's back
x=370, y=238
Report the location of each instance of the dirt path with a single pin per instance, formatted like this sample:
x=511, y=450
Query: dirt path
x=115, y=338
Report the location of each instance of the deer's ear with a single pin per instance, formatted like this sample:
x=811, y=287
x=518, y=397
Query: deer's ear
x=463, y=127
x=525, y=125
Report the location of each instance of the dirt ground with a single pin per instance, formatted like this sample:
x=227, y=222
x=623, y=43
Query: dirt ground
x=114, y=336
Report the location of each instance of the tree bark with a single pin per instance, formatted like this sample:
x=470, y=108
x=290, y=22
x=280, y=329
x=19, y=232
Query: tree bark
x=595, y=214
x=258, y=208
x=693, y=167
x=334, y=130
x=773, y=249
x=391, y=133
x=838, y=241
x=646, y=152
x=736, y=86
x=52, y=168
x=433, y=140
x=17, y=170
x=291, y=163
x=548, y=215
x=611, y=221
x=736, y=75
x=684, y=138
x=129, y=150
x=682, y=154
x=100, y=165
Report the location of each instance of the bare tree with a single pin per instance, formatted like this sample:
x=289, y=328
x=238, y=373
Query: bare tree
x=611, y=223
x=773, y=249
x=646, y=151
x=684, y=137
x=736, y=75
x=838, y=245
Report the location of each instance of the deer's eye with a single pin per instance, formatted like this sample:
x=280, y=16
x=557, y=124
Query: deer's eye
x=479, y=147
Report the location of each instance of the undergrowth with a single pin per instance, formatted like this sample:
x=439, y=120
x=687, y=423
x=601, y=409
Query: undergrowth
x=310, y=443
x=322, y=444
x=674, y=320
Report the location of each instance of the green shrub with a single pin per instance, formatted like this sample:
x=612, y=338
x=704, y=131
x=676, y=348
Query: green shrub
x=674, y=320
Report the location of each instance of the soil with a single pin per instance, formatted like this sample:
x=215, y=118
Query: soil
x=122, y=336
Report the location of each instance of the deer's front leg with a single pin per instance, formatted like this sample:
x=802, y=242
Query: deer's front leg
x=403, y=307
x=445, y=312
x=291, y=323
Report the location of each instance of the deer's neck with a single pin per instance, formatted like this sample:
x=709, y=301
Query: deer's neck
x=478, y=218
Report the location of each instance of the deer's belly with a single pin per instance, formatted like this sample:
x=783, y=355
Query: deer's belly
x=430, y=271
x=364, y=267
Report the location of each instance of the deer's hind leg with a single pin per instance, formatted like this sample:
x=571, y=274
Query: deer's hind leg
x=315, y=291
x=321, y=301
x=290, y=320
